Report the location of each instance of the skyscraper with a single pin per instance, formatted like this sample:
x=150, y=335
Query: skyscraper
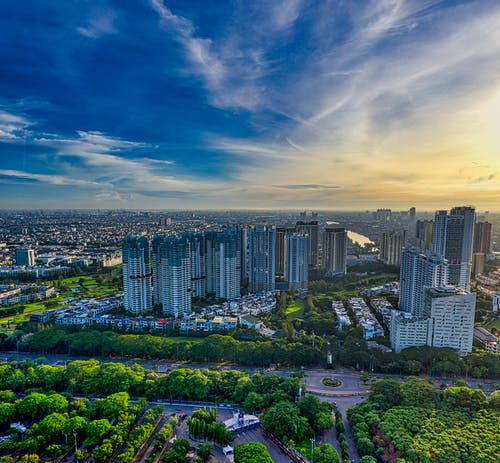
x=261, y=258
x=482, y=237
x=453, y=239
x=197, y=258
x=334, y=260
x=423, y=234
x=175, y=273
x=136, y=274
x=482, y=246
x=243, y=241
x=312, y=229
x=297, y=261
x=281, y=235
x=223, y=264
x=391, y=244
x=156, y=262
x=419, y=271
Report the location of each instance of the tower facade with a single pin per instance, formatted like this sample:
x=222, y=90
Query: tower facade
x=223, y=264
x=297, y=261
x=261, y=258
x=391, y=244
x=312, y=230
x=175, y=274
x=451, y=311
x=197, y=258
x=334, y=260
x=452, y=238
x=419, y=271
x=25, y=257
x=136, y=275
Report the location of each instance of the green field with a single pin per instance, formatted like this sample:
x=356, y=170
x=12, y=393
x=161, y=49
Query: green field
x=88, y=286
x=294, y=311
x=493, y=324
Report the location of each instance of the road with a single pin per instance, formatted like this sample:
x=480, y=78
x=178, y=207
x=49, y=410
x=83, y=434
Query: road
x=350, y=379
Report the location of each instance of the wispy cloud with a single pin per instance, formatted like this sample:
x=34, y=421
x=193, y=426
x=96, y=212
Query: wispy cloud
x=308, y=186
x=59, y=180
x=12, y=126
x=101, y=22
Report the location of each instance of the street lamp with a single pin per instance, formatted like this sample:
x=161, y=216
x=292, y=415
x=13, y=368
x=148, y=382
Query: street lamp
x=312, y=449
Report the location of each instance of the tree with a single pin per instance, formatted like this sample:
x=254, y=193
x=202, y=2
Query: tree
x=95, y=431
x=325, y=453
x=418, y=392
x=115, y=405
x=385, y=392
x=204, y=451
x=283, y=420
x=367, y=459
x=253, y=452
x=30, y=458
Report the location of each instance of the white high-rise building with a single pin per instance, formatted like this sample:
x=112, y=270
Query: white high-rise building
x=297, y=261
x=136, y=275
x=223, y=264
x=408, y=331
x=175, y=274
x=261, y=258
x=391, y=244
x=452, y=313
x=334, y=260
x=419, y=271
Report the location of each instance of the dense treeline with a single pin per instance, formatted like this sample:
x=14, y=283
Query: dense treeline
x=93, y=378
x=56, y=425
x=214, y=348
x=412, y=422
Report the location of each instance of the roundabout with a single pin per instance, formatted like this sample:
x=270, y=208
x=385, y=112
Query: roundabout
x=331, y=382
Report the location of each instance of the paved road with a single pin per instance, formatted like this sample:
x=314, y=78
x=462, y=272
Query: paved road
x=313, y=374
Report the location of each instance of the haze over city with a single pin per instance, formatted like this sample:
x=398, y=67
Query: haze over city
x=277, y=105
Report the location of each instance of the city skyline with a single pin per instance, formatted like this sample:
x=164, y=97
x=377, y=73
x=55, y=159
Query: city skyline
x=291, y=105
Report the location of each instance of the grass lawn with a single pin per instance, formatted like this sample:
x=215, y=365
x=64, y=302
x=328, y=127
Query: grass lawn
x=294, y=311
x=493, y=324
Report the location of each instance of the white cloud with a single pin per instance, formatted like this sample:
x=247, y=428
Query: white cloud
x=12, y=126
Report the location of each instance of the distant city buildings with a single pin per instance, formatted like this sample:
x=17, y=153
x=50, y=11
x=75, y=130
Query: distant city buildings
x=334, y=261
x=25, y=257
x=391, y=244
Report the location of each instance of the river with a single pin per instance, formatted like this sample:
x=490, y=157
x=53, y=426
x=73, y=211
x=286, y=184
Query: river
x=353, y=236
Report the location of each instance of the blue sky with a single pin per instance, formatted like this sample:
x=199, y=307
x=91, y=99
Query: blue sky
x=282, y=104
